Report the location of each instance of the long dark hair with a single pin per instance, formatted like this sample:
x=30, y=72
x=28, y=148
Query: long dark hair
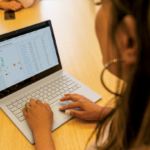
x=131, y=122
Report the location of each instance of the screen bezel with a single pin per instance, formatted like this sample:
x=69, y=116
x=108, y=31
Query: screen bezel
x=39, y=76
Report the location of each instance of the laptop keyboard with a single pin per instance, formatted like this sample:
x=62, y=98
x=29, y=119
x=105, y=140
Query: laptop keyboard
x=50, y=92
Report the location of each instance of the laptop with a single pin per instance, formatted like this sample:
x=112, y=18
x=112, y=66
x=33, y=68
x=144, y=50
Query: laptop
x=30, y=67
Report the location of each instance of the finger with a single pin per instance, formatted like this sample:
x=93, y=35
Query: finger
x=75, y=113
x=70, y=97
x=27, y=104
x=70, y=106
x=19, y=5
x=12, y=8
x=16, y=7
x=24, y=112
x=47, y=105
x=68, y=94
x=38, y=101
x=32, y=102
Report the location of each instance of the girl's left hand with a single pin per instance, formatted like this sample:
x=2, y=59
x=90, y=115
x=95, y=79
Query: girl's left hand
x=39, y=116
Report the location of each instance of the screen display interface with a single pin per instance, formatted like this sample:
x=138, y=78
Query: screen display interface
x=25, y=56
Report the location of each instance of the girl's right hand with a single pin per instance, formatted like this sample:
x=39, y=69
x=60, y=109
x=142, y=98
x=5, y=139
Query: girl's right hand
x=89, y=110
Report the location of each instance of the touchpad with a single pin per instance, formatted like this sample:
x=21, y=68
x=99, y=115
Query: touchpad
x=59, y=115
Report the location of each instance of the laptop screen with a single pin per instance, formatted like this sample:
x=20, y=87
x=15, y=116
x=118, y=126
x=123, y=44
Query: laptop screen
x=24, y=56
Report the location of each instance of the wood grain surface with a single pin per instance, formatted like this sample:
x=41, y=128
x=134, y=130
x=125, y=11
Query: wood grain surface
x=73, y=22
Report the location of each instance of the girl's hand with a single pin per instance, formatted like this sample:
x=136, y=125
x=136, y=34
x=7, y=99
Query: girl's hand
x=89, y=110
x=12, y=5
x=39, y=116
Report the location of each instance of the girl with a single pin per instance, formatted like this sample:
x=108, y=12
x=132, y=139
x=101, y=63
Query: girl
x=123, y=32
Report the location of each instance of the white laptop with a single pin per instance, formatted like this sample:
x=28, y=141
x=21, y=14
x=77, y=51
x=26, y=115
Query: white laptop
x=30, y=68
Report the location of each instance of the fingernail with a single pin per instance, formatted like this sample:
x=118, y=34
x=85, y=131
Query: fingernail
x=67, y=112
x=46, y=102
x=22, y=108
x=60, y=107
x=65, y=94
x=60, y=99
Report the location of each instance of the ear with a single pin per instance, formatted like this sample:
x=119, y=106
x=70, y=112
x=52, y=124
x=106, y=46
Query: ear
x=126, y=39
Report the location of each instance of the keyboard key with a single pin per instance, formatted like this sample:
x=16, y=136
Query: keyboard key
x=54, y=99
x=58, y=93
x=13, y=101
x=64, y=82
x=62, y=91
x=23, y=104
x=37, y=92
x=29, y=96
x=53, y=87
x=37, y=96
x=49, y=94
x=22, y=97
x=49, y=89
x=46, y=99
x=60, y=80
x=13, y=109
x=78, y=85
x=17, y=111
x=45, y=96
x=68, y=79
x=53, y=91
x=19, y=114
x=64, y=85
x=45, y=92
x=65, y=89
x=41, y=98
x=45, y=88
x=22, y=118
x=70, y=82
x=19, y=106
x=41, y=90
x=56, y=89
x=60, y=87
x=57, y=85
x=53, y=83
x=49, y=86
x=74, y=87
x=50, y=97
x=71, y=90
x=26, y=95
x=64, y=78
x=60, y=83
x=41, y=94
x=15, y=104
x=25, y=99
x=71, y=85
x=20, y=101
x=10, y=106
x=33, y=94
x=54, y=95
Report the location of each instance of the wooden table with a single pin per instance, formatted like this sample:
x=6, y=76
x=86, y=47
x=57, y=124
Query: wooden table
x=73, y=23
